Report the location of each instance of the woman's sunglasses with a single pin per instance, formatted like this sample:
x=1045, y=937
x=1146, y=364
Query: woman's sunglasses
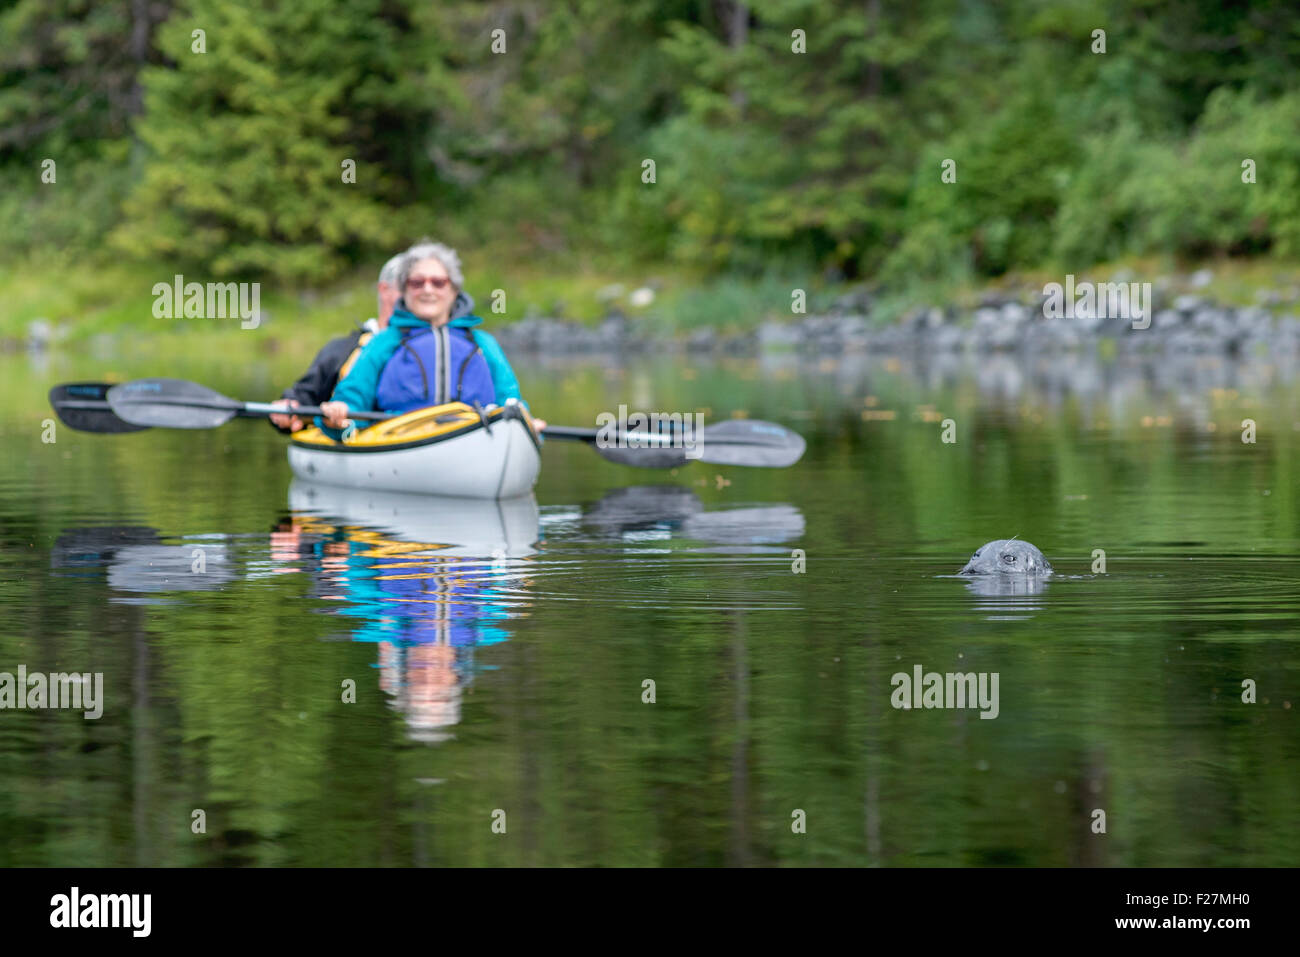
x=418, y=282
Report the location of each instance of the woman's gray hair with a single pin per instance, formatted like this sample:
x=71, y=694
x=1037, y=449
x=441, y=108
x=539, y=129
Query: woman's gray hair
x=429, y=250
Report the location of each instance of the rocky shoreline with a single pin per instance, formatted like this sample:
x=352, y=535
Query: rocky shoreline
x=1018, y=322
x=1002, y=323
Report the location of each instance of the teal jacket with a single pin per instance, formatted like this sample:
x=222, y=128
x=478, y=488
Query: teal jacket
x=358, y=388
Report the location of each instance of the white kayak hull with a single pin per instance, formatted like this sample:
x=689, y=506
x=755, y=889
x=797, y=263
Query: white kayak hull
x=474, y=461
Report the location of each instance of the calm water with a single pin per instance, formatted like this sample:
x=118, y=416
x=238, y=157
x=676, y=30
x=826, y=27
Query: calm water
x=499, y=652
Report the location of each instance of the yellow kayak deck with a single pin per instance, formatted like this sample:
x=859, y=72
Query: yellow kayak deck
x=419, y=427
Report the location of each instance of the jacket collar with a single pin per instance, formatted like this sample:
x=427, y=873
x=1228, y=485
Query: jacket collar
x=462, y=313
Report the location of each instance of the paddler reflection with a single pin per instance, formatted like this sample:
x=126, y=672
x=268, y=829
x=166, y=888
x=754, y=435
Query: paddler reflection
x=428, y=581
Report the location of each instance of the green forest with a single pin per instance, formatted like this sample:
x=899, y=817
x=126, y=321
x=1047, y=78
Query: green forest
x=303, y=142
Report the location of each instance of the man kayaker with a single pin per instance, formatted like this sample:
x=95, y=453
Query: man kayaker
x=333, y=362
x=431, y=353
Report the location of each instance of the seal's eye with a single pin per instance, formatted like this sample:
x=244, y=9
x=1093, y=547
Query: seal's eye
x=976, y=555
x=1009, y=559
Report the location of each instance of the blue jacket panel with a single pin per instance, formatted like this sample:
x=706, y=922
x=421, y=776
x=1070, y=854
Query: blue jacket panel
x=434, y=366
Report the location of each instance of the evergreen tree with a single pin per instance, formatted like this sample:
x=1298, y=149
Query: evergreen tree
x=253, y=128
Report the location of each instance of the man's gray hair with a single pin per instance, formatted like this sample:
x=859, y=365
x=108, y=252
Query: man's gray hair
x=391, y=268
x=430, y=250
x=389, y=275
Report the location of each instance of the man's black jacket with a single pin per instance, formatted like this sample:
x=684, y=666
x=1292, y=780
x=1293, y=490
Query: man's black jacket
x=318, y=382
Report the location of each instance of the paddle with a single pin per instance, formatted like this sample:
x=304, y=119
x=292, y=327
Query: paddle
x=84, y=406
x=749, y=442
x=177, y=404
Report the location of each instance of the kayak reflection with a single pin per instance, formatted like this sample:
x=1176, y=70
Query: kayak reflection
x=476, y=528
x=427, y=579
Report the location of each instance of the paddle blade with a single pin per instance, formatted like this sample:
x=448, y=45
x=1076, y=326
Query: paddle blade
x=750, y=442
x=735, y=442
x=645, y=458
x=82, y=406
x=171, y=404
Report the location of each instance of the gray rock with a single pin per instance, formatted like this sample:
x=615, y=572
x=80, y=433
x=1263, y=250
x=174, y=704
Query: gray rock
x=612, y=332
x=39, y=333
x=851, y=327
x=777, y=335
x=1014, y=313
x=947, y=338
x=702, y=340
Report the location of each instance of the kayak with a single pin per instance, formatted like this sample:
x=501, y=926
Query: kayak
x=448, y=450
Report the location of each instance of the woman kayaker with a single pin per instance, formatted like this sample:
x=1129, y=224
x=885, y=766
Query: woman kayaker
x=430, y=354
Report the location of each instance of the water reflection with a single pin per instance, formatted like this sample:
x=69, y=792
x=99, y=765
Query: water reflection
x=428, y=580
x=1003, y=586
x=627, y=512
x=1007, y=597
x=641, y=582
x=138, y=561
x=197, y=566
x=1102, y=388
x=94, y=546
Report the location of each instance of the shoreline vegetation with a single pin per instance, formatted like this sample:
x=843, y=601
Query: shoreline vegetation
x=558, y=312
x=709, y=160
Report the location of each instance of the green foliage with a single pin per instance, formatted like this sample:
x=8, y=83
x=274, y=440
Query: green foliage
x=1188, y=198
x=68, y=73
x=729, y=302
x=996, y=207
x=248, y=140
x=781, y=149
x=1227, y=214
x=768, y=156
x=71, y=215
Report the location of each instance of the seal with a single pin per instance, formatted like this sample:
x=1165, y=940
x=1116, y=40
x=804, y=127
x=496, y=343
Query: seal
x=1007, y=556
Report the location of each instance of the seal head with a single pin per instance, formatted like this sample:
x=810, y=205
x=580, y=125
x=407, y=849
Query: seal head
x=1007, y=556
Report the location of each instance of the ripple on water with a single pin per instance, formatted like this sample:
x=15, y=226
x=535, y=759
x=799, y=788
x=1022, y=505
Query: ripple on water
x=672, y=581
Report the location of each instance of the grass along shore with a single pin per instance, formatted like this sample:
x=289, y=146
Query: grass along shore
x=109, y=308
